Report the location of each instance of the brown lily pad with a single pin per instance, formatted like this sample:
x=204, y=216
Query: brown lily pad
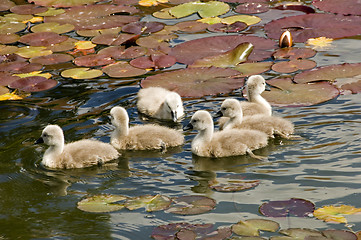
x=93, y=60
x=294, y=207
x=252, y=7
x=63, y=46
x=191, y=26
x=6, y=78
x=53, y=27
x=248, y=69
x=52, y=59
x=293, y=53
x=9, y=38
x=19, y=67
x=142, y=27
x=62, y=3
x=155, y=61
x=28, y=9
x=346, y=7
x=114, y=40
x=5, y=50
x=33, y=84
x=196, y=82
x=228, y=28
x=190, y=205
x=6, y=5
x=123, y=69
x=287, y=93
x=120, y=52
x=42, y=39
x=293, y=65
x=231, y=185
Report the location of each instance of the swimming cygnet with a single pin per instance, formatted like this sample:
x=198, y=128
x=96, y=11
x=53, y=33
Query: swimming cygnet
x=141, y=137
x=160, y=103
x=79, y=154
x=270, y=125
x=225, y=143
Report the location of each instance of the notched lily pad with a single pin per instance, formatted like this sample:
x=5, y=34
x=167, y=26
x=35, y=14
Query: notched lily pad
x=155, y=61
x=33, y=84
x=93, y=60
x=339, y=235
x=248, y=69
x=142, y=27
x=20, y=67
x=252, y=227
x=232, y=185
x=115, y=40
x=81, y=73
x=42, y=39
x=62, y=3
x=28, y=9
x=293, y=65
x=228, y=28
x=150, y=203
x=345, y=7
x=101, y=203
x=189, y=205
x=204, y=9
x=196, y=82
x=293, y=53
x=52, y=59
x=335, y=213
x=6, y=78
x=122, y=69
x=299, y=233
x=293, y=207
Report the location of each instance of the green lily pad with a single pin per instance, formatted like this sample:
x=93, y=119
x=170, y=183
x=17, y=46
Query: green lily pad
x=287, y=93
x=228, y=59
x=293, y=65
x=101, y=203
x=51, y=12
x=298, y=233
x=53, y=27
x=231, y=185
x=247, y=19
x=253, y=226
x=122, y=69
x=204, y=9
x=16, y=18
x=248, y=69
x=63, y=46
x=339, y=235
x=81, y=73
x=11, y=27
x=30, y=51
x=189, y=205
x=150, y=203
x=196, y=82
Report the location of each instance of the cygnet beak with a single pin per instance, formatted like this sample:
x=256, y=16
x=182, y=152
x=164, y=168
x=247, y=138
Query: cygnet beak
x=267, y=88
x=188, y=127
x=174, y=116
x=40, y=140
x=218, y=114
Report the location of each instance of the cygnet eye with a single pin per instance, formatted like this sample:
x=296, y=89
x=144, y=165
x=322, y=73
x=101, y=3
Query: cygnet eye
x=45, y=135
x=223, y=108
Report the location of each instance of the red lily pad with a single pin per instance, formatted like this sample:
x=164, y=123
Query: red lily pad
x=9, y=38
x=114, y=40
x=142, y=27
x=287, y=93
x=33, y=84
x=6, y=78
x=6, y=5
x=19, y=67
x=190, y=51
x=120, y=52
x=228, y=28
x=186, y=231
x=62, y=3
x=293, y=65
x=52, y=59
x=28, y=9
x=156, y=61
x=346, y=7
x=123, y=69
x=190, y=205
x=231, y=185
x=42, y=39
x=315, y=25
x=296, y=7
x=93, y=60
x=252, y=7
x=196, y=82
x=293, y=207
x=293, y=53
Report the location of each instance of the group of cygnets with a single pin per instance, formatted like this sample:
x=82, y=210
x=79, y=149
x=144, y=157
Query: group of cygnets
x=244, y=126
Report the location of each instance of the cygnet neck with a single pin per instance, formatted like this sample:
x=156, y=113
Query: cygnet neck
x=256, y=97
x=121, y=128
x=205, y=134
x=233, y=120
x=52, y=153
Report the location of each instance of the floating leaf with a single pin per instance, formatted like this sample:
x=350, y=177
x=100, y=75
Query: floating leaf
x=123, y=69
x=247, y=19
x=30, y=51
x=231, y=185
x=101, y=203
x=19, y=67
x=62, y=3
x=163, y=14
x=51, y=12
x=189, y=205
x=148, y=3
x=120, y=52
x=93, y=60
x=52, y=59
x=252, y=7
x=63, y=46
x=9, y=38
x=115, y=40
x=298, y=233
x=294, y=207
x=33, y=74
x=227, y=28
x=97, y=32
x=346, y=7
x=84, y=45
x=42, y=39
x=11, y=27
x=228, y=59
x=191, y=26
x=253, y=226
x=3, y=90
x=293, y=65
x=196, y=82
x=156, y=61
x=287, y=93
x=33, y=84
x=142, y=27
x=319, y=43
x=315, y=25
x=4, y=49
x=293, y=53
x=6, y=5
x=204, y=9
x=81, y=73
x=10, y=96
x=5, y=79
x=339, y=235
x=150, y=203
x=295, y=7
x=335, y=213
x=155, y=40
x=28, y=9
x=248, y=69
x=190, y=51
x=53, y=27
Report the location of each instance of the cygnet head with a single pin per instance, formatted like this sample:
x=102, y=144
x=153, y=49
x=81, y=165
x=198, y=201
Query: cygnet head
x=174, y=105
x=201, y=120
x=255, y=85
x=231, y=108
x=119, y=117
x=52, y=135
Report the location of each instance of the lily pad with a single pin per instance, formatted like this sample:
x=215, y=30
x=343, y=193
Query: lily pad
x=114, y=40
x=231, y=185
x=346, y=7
x=142, y=27
x=204, y=9
x=293, y=207
x=101, y=203
x=53, y=27
x=252, y=227
x=315, y=25
x=196, y=82
x=52, y=59
x=63, y=46
x=287, y=93
x=33, y=84
x=20, y=67
x=293, y=53
x=295, y=7
x=9, y=38
x=34, y=73
x=120, y=52
x=81, y=73
x=228, y=59
x=228, y=28
x=6, y=5
x=122, y=69
x=335, y=213
x=11, y=27
x=339, y=235
x=190, y=205
x=298, y=233
x=5, y=50
x=252, y=7
x=155, y=61
x=93, y=60
x=248, y=69
x=150, y=203
x=51, y=12
x=42, y=39
x=191, y=26
x=6, y=78
x=28, y=9
x=293, y=65
x=190, y=51
x=62, y=3
x=155, y=40
x=97, y=32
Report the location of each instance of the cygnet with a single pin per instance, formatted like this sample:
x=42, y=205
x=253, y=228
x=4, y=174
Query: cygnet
x=79, y=154
x=225, y=143
x=270, y=125
x=141, y=137
x=160, y=103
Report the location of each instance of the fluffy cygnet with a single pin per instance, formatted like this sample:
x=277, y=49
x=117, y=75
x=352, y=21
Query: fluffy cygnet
x=160, y=103
x=79, y=154
x=270, y=125
x=141, y=137
x=225, y=143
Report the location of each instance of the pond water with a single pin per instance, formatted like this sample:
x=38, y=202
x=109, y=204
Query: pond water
x=323, y=167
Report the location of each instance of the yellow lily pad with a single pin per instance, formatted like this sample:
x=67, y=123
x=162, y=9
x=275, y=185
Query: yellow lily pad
x=335, y=213
x=51, y=12
x=247, y=19
x=81, y=73
x=30, y=51
x=10, y=96
x=84, y=45
x=4, y=49
x=149, y=3
x=32, y=74
x=53, y=27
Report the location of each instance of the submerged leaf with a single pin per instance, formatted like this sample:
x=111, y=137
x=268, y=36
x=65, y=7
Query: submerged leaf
x=232, y=185
x=335, y=213
x=101, y=203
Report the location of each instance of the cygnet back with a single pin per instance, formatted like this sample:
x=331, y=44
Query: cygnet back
x=160, y=103
x=79, y=154
x=141, y=137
